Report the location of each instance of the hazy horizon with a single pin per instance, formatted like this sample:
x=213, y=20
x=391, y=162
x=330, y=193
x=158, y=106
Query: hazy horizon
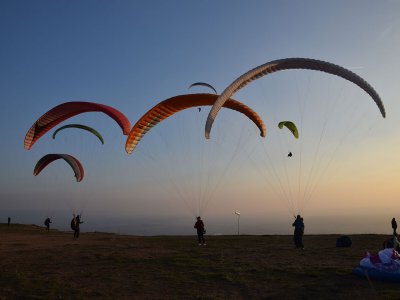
x=226, y=225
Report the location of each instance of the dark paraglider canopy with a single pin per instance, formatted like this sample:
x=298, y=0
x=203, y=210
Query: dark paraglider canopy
x=72, y=161
x=203, y=84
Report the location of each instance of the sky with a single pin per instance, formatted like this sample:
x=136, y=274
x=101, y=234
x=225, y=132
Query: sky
x=342, y=177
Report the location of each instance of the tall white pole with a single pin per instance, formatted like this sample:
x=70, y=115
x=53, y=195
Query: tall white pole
x=238, y=214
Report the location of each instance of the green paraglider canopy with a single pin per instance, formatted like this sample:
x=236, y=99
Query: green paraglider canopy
x=84, y=127
x=291, y=126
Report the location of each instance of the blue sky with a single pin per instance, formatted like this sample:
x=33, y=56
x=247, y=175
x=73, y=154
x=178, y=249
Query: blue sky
x=133, y=54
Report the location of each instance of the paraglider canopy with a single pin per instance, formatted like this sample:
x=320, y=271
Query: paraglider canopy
x=203, y=84
x=72, y=161
x=169, y=107
x=67, y=110
x=287, y=64
x=84, y=127
x=291, y=126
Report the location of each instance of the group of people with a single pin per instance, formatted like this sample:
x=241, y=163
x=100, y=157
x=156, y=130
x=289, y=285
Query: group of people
x=298, y=225
x=75, y=222
x=200, y=228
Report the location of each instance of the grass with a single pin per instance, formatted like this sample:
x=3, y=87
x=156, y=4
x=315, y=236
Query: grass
x=36, y=264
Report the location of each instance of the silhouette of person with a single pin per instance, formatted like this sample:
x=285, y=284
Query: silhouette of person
x=199, y=225
x=298, y=232
x=47, y=223
x=394, y=226
x=76, y=222
x=8, y=221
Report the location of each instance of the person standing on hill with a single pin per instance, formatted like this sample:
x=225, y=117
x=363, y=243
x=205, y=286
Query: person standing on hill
x=8, y=221
x=199, y=225
x=394, y=226
x=298, y=232
x=76, y=221
x=47, y=223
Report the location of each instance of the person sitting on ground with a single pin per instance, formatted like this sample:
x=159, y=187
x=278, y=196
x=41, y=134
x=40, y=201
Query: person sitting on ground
x=199, y=225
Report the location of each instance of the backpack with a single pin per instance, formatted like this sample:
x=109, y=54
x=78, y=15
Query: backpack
x=343, y=241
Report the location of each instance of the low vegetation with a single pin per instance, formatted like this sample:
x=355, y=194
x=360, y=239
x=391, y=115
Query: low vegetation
x=36, y=264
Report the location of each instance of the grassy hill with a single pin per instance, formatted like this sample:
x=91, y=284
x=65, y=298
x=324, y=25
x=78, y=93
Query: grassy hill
x=36, y=264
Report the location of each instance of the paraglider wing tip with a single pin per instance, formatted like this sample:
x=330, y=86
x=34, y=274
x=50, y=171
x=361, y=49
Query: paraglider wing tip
x=209, y=123
x=381, y=107
x=207, y=130
x=128, y=148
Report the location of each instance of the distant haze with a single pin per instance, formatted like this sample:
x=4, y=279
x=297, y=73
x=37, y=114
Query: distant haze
x=226, y=225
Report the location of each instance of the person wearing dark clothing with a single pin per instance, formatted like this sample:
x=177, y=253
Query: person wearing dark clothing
x=75, y=226
x=394, y=226
x=47, y=223
x=298, y=232
x=199, y=225
x=8, y=221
